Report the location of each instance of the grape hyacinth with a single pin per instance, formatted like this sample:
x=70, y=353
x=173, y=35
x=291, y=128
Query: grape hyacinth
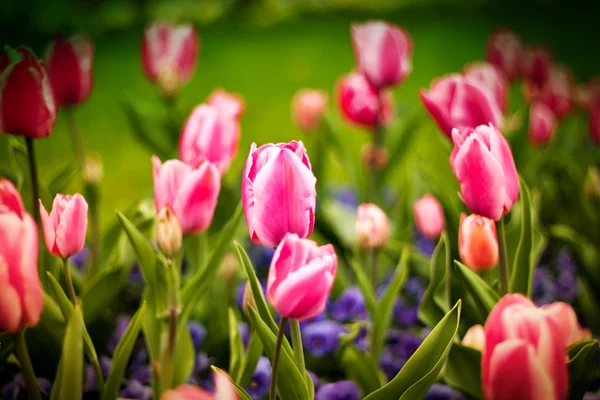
x=342, y=390
x=261, y=379
x=322, y=337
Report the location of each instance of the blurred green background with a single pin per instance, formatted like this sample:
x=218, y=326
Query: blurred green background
x=265, y=51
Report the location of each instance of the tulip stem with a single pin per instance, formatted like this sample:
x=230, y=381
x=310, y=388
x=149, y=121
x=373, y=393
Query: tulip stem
x=34, y=178
x=503, y=257
x=297, y=346
x=173, y=314
x=275, y=363
x=378, y=143
x=26, y=368
x=69, y=281
x=374, y=268
x=75, y=137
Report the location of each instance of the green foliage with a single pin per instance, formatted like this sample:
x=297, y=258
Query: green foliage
x=68, y=383
x=360, y=366
x=484, y=296
x=463, y=370
x=521, y=279
x=430, y=312
x=583, y=364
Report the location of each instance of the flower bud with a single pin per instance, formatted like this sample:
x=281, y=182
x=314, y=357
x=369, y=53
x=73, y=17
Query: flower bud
x=475, y=337
x=477, y=242
x=168, y=232
x=229, y=266
x=535, y=65
x=93, y=170
x=374, y=158
x=504, y=50
x=429, y=216
x=308, y=108
x=359, y=101
x=542, y=122
x=372, y=227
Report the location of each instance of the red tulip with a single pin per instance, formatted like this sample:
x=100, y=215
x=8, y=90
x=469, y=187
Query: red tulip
x=491, y=77
x=27, y=106
x=70, y=68
x=169, y=54
x=477, y=242
x=542, y=122
x=308, y=108
x=429, y=216
x=359, y=101
x=21, y=295
x=372, y=227
x=483, y=163
x=66, y=225
x=383, y=52
x=535, y=65
x=524, y=355
x=456, y=101
x=504, y=50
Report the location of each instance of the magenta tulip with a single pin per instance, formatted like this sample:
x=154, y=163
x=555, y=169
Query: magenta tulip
x=455, y=101
x=65, y=227
x=504, y=50
x=21, y=295
x=27, y=106
x=383, y=52
x=491, y=77
x=359, y=101
x=524, y=356
x=542, y=122
x=535, y=65
x=477, y=242
x=429, y=216
x=190, y=192
x=227, y=103
x=484, y=166
x=169, y=54
x=278, y=192
x=372, y=227
x=70, y=68
x=308, y=108
x=300, y=277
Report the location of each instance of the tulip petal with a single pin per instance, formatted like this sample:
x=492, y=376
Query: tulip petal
x=439, y=114
x=70, y=233
x=501, y=150
x=32, y=296
x=291, y=254
x=10, y=199
x=168, y=178
x=10, y=302
x=49, y=230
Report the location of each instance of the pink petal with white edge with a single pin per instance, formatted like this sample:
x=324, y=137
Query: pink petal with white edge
x=70, y=234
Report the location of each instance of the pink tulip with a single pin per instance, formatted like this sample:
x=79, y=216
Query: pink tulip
x=300, y=277
x=535, y=65
x=556, y=92
x=542, y=122
x=169, y=54
x=21, y=295
x=429, y=216
x=190, y=192
x=477, y=242
x=65, y=227
x=224, y=390
x=565, y=319
x=70, y=68
x=475, y=338
x=595, y=123
x=359, y=102
x=524, y=355
x=587, y=94
x=491, y=77
x=455, y=101
x=372, y=227
x=308, y=108
x=504, y=50
x=227, y=103
x=27, y=106
x=484, y=166
x=278, y=192
x=383, y=52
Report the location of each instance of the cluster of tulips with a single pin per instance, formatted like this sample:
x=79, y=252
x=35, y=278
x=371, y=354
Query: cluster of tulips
x=510, y=347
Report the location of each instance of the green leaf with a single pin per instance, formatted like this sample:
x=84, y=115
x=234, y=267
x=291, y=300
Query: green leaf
x=290, y=383
x=102, y=290
x=429, y=312
x=236, y=345
x=253, y=353
x=360, y=367
x=423, y=367
x=365, y=286
x=403, y=143
x=59, y=295
x=582, y=367
x=521, y=279
x=62, y=178
x=484, y=296
x=385, y=306
x=184, y=354
x=463, y=370
x=122, y=354
x=240, y=390
x=145, y=253
x=68, y=383
x=143, y=126
x=7, y=346
x=52, y=322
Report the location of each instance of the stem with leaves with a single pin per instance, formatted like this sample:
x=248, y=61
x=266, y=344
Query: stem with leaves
x=69, y=281
x=297, y=346
x=26, y=368
x=503, y=257
x=275, y=363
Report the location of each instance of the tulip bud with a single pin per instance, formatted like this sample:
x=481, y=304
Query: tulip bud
x=504, y=50
x=477, y=242
x=556, y=91
x=224, y=390
x=93, y=170
x=429, y=216
x=278, y=192
x=248, y=300
x=190, y=192
x=372, y=227
x=308, y=108
x=374, y=157
x=383, y=52
x=227, y=103
x=535, y=65
x=565, y=319
x=300, y=278
x=359, y=101
x=168, y=233
x=492, y=78
x=475, y=337
x=483, y=164
x=27, y=106
x=21, y=295
x=229, y=267
x=542, y=123
x=595, y=122
x=456, y=101
x=66, y=225
x=70, y=69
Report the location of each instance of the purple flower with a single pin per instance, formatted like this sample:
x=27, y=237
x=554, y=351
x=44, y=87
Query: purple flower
x=321, y=338
x=136, y=390
x=143, y=374
x=260, y=256
x=405, y=314
x=315, y=379
x=424, y=245
x=342, y=390
x=403, y=343
x=260, y=381
x=346, y=196
x=202, y=363
x=197, y=332
x=360, y=340
x=543, y=287
x=16, y=388
x=349, y=305
x=244, y=330
x=414, y=288
x=136, y=274
x=390, y=363
x=120, y=327
x=139, y=359
x=80, y=259
x=90, y=381
x=443, y=392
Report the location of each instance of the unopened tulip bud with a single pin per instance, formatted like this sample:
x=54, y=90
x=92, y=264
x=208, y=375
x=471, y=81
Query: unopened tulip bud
x=591, y=185
x=372, y=227
x=248, y=300
x=229, y=266
x=168, y=233
x=93, y=170
x=535, y=65
x=361, y=103
x=504, y=50
x=475, y=337
x=477, y=242
x=429, y=216
x=374, y=157
x=308, y=108
x=542, y=122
